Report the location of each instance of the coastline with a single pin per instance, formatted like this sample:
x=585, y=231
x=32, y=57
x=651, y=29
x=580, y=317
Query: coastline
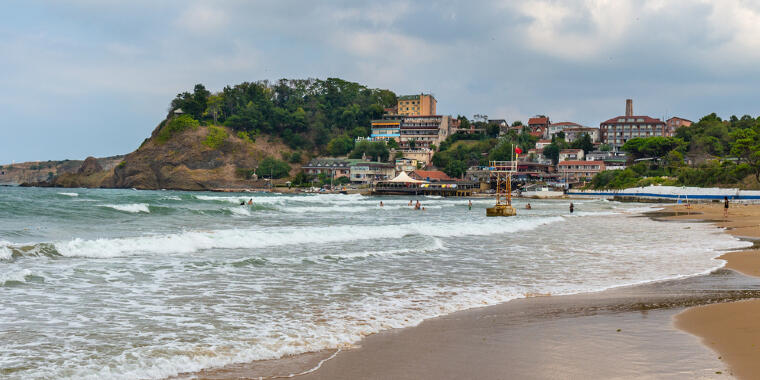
x=544, y=337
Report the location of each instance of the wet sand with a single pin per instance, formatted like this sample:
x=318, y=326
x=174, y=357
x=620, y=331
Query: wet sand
x=622, y=333
x=731, y=329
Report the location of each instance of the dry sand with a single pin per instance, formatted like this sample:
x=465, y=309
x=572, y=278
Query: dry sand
x=731, y=329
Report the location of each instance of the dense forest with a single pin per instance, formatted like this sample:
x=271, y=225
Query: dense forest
x=307, y=114
x=711, y=152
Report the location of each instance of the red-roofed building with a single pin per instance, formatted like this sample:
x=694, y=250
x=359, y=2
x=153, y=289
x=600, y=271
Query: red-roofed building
x=618, y=130
x=576, y=171
x=555, y=128
x=430, y=175
x=539, y=123
x=677, y=122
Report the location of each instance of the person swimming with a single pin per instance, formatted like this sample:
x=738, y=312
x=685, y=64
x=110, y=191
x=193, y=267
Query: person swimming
x=527, y=207
x=250, y=202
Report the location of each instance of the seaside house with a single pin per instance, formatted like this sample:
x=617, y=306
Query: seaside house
x=572, y=134
x=676, y=122
x=576, y=171
x=616, y=131
x=555, y=128
x=332, y=167
x=371, y=172
x=539, y=125
x=570, y=155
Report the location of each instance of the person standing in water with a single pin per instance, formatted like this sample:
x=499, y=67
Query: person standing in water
x=571, y=207
x=250, y=202
x=381, y=203
x=725, y=207
x=410, y=202
x=469, y=204
x=417, y=205
x=527, y=207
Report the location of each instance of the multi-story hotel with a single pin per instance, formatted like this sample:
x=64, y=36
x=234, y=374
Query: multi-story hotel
x=417, y=105
x=412, y=131
x=618, y=130
x=387, y=129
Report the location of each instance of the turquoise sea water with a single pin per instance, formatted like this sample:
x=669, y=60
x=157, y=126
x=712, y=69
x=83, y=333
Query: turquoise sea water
x=145, y=284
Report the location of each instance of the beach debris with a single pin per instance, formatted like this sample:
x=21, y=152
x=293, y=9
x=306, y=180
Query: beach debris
x=619, y=330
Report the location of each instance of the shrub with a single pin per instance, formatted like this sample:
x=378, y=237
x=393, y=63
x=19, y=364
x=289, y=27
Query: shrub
x=245, y=137
x=272, y=167
x=215, y=137
x=121, y=164
x=175, y=126
x=244, y=173
x=295, y=158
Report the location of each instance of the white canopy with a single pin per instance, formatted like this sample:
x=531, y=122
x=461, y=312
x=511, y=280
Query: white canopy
x=403, y=177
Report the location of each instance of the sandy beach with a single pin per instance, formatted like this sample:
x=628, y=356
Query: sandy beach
x=642, y=331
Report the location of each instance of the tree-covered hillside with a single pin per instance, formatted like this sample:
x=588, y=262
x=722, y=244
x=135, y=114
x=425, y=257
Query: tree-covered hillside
x=305, y=113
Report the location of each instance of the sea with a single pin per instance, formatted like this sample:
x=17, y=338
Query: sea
x=128, y=284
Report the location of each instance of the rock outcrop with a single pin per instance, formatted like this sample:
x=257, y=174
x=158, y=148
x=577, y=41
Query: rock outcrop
x=90, y=166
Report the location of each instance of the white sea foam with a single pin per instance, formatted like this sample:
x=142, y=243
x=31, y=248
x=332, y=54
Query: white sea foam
x=5, y=251
x=240, y=211
x=14, y=276
x=70, y=194
x=189, y=242
x=132, y=208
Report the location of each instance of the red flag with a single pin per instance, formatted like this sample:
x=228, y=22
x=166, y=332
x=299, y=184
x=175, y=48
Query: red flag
x=518, y=150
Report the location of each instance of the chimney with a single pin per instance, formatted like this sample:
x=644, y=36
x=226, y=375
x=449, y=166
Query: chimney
x=629, y=107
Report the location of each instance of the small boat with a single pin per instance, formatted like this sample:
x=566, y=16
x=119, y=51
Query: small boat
x=542, y=192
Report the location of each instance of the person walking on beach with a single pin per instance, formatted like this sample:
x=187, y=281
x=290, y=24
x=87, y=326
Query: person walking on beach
x=571, y=207
x=725, y=208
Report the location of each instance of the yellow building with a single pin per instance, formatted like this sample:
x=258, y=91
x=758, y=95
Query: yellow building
x=417, y=105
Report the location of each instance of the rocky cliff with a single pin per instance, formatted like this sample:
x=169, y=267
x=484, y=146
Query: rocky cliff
x=200, y=158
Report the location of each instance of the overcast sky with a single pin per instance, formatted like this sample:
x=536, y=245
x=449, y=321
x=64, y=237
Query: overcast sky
x=89, y=77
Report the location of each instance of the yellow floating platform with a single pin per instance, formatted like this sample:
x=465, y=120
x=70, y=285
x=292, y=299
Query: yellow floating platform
x=501, y=210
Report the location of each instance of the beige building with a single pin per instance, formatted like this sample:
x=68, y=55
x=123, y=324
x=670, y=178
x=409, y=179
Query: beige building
x=423, y=131
x=576, y=171
x=417, y=105
x=406, y=165
x=371, y=172
x=571, y=155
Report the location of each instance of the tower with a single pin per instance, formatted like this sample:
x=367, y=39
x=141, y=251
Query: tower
x=629, y=107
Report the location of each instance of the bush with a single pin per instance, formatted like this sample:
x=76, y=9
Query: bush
x=215, y=137
x=245, y=136
x=244, y=173
x=272, y=167
x=295, y=158
x=175, y=126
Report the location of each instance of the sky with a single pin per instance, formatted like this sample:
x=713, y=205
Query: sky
x=90, y=77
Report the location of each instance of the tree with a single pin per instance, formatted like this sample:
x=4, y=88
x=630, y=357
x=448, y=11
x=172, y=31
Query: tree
x=372, y=150
x=455, y=168
x=551, y=151
x=214, y=106
x=583, y=142
x=274, y=168
x=392, y=144
x=517, y=123
x=340, y=145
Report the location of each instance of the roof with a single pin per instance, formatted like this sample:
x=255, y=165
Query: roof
x=412, y=97
x=544, y=141
x=679, y=118
x=570, y=150
x=333, y=162
x=403, y=177
x=647, y=119
x=432, y=174
x=566, y=124
x=581, y=163
x=538, y=120
x=536, y=134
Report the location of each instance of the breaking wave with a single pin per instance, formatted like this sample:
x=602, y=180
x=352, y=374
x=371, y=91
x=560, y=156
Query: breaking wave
x=131, y=208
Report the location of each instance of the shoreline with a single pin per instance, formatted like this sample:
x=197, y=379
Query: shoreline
x=454, y=335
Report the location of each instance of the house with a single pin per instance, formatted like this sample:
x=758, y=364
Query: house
x=572, y=134
x=406, y=165
x=540, y=144
x=616, y=131
x=430, y=175
x=371, y=172
x=576, y=171
x=555, y=128
x=331, y=167
x=676, y=122
x=539, y=124
x=570, y=155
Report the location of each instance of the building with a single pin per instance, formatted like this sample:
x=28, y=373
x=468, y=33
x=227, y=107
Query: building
x=540, y=144
x=612, y=160
x=456, y=127
x=416, y=105
x=555, y=128
x=406, y=165
x=424, y=156
x=386, y=129
x=676, y=122
x=616, y=131
x=573, y=133
x=371, y=172
x=430, y=175
x=423, y=131
x=539, y=125
x=570, y=155
x=576, y=171
x=331, y=167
